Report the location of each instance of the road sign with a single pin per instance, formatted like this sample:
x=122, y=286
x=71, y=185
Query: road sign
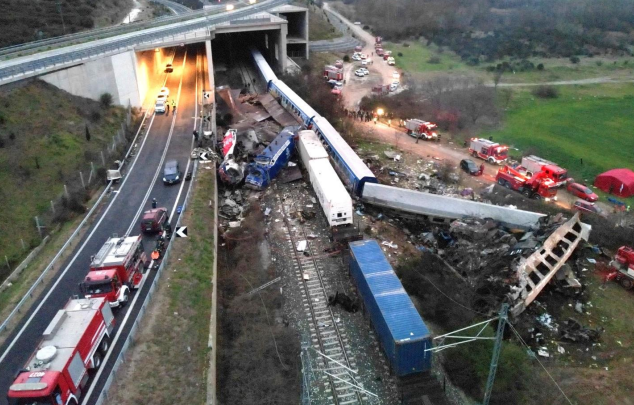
x=181, y=232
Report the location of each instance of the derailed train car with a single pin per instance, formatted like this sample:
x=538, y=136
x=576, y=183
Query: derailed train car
x=402, y=333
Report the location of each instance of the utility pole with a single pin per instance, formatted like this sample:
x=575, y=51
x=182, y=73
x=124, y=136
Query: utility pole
x=496, y=353
x=59, y=8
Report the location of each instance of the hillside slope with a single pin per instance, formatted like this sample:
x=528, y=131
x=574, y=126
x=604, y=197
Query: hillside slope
x=25, y=21
x=43, y=145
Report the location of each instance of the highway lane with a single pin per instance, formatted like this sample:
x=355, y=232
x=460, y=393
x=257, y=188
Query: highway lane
x=137, y=190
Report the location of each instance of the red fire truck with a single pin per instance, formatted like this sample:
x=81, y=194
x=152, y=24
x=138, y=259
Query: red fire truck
x=536, y=187
x=535, y=164
x=490, y=151
x=423, y=129
x=74, y=342
x=622, y=267
x=117, y=268
x=333, y=73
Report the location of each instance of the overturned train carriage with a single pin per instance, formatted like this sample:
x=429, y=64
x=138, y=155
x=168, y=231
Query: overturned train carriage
x=402, y=333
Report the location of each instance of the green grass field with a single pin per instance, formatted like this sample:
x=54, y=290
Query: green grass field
x=42, y=133
x=416, y=58
x=594, y=123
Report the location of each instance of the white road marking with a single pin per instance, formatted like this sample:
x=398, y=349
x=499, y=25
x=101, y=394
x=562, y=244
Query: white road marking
x=136, y=296
x=61, y=276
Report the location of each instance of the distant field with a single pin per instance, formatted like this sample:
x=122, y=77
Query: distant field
x=416, y=58
x=594, y=123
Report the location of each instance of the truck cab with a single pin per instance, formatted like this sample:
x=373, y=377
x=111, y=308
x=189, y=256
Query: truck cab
x=106, y=284
x=117, y=268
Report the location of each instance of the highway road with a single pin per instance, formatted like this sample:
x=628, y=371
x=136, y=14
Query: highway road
x=169, y=136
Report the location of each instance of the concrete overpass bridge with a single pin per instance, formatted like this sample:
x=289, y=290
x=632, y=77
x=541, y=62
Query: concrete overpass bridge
x=124, y=60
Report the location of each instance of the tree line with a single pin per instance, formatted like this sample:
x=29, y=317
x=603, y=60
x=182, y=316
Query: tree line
x=486, y=30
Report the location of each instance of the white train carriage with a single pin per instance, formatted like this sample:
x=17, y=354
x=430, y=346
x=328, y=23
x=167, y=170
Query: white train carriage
x=332, y=195
x=354, y=172
x=310, y=147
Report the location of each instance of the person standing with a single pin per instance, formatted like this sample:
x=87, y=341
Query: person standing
x=154, y=202
x=174, y=106
x=481, y=169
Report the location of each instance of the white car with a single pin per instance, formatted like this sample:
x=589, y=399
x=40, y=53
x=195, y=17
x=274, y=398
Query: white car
x=363, y=56
x=335, y=83
x=159, y=107
x=396, y=75
x=391, y=61
x=165, y=91
x=161, y=97
x=357, y=23
x=364, y=62
x=356, y=57
x=364, y=70
x=394, y=86
x=359, y=73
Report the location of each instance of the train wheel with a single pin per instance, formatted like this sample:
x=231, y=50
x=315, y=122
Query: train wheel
x=626, y=283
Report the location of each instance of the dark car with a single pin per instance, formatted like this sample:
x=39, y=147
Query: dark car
x=582, y=191
x=470, y=167
x=169, y=68
x=585, y=206
x=172, y=172
x=154, y=220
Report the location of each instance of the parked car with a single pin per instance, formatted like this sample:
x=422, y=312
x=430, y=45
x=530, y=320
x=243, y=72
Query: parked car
x=164, y=91
x=169, y=68
x=153, y=220
x=582, y=191
x=470, y=167
x=394, y=86
x=585, y=206
x=396, y=75
x=356, y=57
x=335, y=83
x=336, y=91
x=364, y=70
x=364, y=62
x=172, y=172
x=357, y=23
x=161, y=97
x=363, y=56
x=359, y=73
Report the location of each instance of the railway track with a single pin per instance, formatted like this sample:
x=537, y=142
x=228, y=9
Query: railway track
x=334, y=364
x=247, y=76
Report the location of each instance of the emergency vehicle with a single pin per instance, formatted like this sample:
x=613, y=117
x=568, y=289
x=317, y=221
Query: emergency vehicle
x=490, y=151
x=534, y=164
x=538, y=186
x=116, y=269
x=74, y=342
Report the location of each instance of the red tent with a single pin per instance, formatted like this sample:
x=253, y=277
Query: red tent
x=616, y=181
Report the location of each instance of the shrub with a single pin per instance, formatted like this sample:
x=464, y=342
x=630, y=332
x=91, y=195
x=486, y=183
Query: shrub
x=366, y=27
x=400, y=54
x=228, y=118
x=106, y=100
x=574, y=59
x=95, y=116
x=546, y=92
x=599, y=63
x=346, y=58
x=540, y=66
x=434, y=60
x=405, y=45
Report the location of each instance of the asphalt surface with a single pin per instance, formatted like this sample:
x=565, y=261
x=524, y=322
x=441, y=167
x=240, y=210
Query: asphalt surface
x=169, y=137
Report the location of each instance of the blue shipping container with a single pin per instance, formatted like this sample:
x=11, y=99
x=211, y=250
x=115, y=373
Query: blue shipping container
x=402, y=332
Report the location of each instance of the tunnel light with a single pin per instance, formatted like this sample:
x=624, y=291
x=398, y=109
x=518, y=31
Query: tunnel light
x=230, y=7
x=157, y=50
x=252, y=1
